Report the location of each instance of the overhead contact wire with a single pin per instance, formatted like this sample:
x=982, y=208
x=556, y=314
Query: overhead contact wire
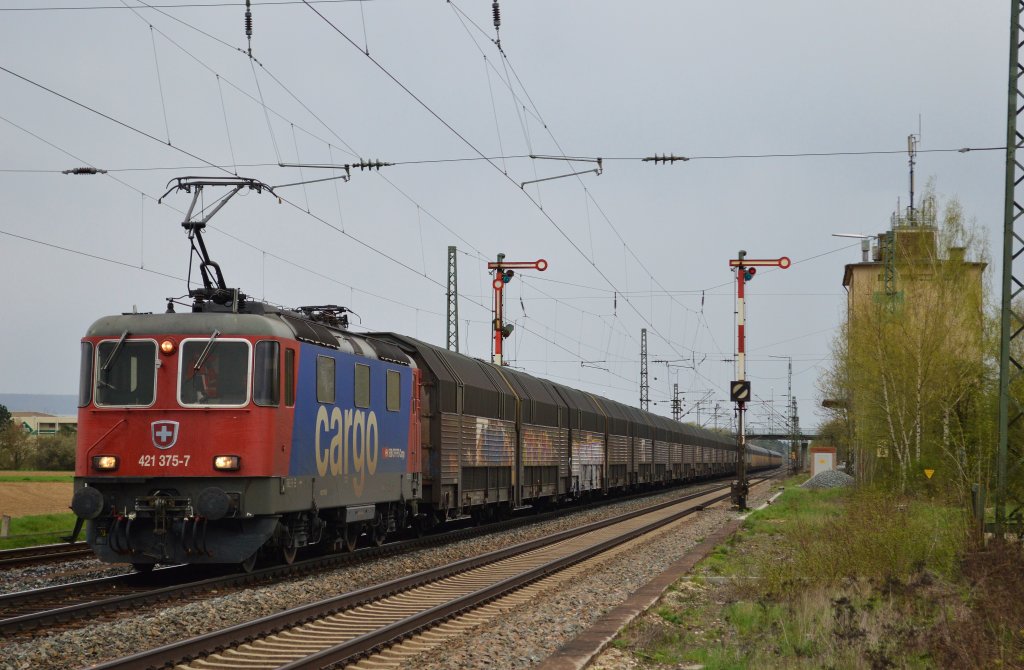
x=494, y=165
x=199, y=158
x=508, y=65
x=112, y=119
x=160, y=84
x=227, y=126
x=281, y=84
x=270, y=129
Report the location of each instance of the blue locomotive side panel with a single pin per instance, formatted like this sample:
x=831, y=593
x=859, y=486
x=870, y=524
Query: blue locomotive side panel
x=360, y=431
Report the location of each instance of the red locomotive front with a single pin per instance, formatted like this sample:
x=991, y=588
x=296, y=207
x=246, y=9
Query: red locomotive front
x=184, y=414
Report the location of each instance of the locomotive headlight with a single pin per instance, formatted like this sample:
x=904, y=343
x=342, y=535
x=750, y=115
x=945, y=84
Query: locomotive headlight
x=104, y=462
x=226, y=462
x=167, y=347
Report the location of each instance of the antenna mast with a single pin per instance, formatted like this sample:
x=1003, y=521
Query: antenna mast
x=912, y=141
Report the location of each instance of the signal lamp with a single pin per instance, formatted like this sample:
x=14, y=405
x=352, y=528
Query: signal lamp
x=107, y=463
x=226, y=462
x=167, y=347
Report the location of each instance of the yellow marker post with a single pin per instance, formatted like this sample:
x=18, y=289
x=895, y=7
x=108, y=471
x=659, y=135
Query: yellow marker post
x=928, y=473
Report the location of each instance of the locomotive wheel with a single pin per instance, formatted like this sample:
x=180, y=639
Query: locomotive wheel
x=288, y=548
x=249, y=564
x=379, y=534
x=351, y=536
x=421, y=525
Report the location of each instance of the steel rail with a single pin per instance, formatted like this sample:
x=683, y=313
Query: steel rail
x=211, y=643
x=44, y=553
x=179, y=582
x=354, y=649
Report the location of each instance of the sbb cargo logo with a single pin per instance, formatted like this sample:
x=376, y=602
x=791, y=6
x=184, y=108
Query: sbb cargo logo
x=347, y=443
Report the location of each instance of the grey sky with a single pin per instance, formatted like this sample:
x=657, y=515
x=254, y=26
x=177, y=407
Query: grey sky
x=609, y=79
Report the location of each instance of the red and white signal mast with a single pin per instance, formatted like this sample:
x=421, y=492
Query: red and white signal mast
x=503, y=273
x=739, y=389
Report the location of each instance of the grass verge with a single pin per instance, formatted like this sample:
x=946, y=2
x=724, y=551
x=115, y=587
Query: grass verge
x=28, y=531
x=36, y=476
x=841, y=578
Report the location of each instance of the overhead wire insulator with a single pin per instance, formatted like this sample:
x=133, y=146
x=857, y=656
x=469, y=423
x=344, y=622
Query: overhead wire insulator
x=84, y=170
x=248, y=26
x=371, y=165
x=665, y=158
x=496, y=11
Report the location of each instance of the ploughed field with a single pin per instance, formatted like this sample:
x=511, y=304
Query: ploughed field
x=25, y=498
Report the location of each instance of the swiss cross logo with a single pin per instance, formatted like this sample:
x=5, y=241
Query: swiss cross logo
x=165, y=434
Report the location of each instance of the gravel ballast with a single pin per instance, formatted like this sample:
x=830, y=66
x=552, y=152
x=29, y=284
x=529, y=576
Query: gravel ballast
x=527, y=635
x=523, y=637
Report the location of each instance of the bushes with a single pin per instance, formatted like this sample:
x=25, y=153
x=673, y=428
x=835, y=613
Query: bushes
x=54, y=453
x=879, y=535
x=20, y=451
x=15, y=447
x=843, y=578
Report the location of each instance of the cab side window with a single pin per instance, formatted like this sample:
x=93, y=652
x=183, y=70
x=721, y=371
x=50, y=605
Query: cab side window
x=85, y=376
x=394, y=391
x=362, y=390
x=266, y=382
x=325, y=381
x=289, y=377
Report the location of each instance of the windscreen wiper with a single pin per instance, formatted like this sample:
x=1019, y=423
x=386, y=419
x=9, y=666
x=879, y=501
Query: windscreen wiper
x=110, y=359
x=206, y=352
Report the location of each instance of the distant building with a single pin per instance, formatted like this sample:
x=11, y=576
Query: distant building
x=901, y=266
x=41, y=424
x=913, y=304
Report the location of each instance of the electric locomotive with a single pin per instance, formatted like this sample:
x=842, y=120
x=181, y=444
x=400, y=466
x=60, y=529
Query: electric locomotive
x=207, y=435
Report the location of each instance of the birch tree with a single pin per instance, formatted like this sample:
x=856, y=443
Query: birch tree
x=914, y=367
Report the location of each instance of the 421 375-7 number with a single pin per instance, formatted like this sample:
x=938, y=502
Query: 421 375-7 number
x=164, y=460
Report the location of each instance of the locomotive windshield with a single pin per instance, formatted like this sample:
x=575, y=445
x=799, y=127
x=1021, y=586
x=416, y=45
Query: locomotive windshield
x=126, y=374
x=218, y=378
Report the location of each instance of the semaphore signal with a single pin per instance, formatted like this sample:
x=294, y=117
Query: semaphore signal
x=739, y=389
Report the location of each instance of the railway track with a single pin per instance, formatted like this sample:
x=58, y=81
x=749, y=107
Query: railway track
x=71, y=605
x=348, y=628
x=46, y=553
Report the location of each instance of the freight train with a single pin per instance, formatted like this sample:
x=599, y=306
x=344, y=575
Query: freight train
x=240, y=429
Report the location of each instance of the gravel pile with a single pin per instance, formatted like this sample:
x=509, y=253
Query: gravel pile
x=522, y=638
x=828, y=479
